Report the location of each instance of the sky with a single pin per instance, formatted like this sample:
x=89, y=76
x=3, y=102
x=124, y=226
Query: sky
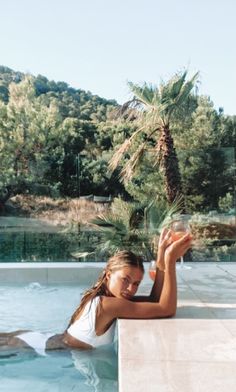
x=100, y=45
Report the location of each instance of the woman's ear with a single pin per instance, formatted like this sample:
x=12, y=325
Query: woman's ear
x=108, y=274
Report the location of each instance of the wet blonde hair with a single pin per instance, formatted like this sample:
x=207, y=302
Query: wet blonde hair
x=120, y=260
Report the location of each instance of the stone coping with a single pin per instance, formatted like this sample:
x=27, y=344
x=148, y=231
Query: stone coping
x=193, y=352
x=49, y=273
x=47, y=264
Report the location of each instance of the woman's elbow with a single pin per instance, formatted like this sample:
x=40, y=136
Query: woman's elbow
x=169, y=313
x=172, y=314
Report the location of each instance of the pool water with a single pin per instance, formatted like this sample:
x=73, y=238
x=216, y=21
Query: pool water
x=47, y=308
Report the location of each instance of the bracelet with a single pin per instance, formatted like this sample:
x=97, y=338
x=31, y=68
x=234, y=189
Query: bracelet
x=160, y=269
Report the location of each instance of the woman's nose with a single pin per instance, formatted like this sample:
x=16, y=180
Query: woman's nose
x=131, y=288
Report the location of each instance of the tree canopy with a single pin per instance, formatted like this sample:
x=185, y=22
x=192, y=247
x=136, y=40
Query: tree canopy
x=58, y=140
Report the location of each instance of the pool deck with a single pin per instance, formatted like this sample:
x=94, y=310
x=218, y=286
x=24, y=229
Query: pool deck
x=193, y=352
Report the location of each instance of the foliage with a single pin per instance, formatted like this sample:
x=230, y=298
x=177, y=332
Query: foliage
x=47, y=127
x=226, y=202
x=43, y=127
x=133, y=226
x=206, y=155
x=207, y=176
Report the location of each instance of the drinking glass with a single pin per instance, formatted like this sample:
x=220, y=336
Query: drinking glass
x=179, y=228
x=152, y=269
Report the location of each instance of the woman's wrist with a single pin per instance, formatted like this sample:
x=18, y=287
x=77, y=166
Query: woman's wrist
x=161, y=259
x=170, y=263
x=161, y=265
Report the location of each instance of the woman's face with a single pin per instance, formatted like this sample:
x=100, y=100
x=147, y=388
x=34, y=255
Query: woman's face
x=124, y=282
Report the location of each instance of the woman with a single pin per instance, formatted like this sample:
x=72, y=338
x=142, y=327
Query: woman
x=113, y=296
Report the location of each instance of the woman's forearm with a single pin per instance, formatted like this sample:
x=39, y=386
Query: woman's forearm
x=159, y=277
x=168, y=297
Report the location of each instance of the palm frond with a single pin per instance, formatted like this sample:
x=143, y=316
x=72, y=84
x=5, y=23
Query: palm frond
x=130, y=110
x=122, y=209
x=174, y=93
x=151, y=103
x=120, y=152
x=179, y=91
x=147, y=94
x=177, y=85
x=118, y=155
x=131, y=165
x=160, y=214
x=117, y=233
x=109, y=223
x=186, y=89
x=133, y=225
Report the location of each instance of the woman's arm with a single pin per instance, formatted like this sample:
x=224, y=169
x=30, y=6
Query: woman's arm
x=155, y=294
x=166, y=307
x=164, y=242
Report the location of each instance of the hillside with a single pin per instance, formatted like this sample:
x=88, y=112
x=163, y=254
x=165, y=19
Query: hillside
x=55, y=140
x=44, y=86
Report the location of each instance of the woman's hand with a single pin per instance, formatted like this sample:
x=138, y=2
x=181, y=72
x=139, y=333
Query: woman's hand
x=177, y=249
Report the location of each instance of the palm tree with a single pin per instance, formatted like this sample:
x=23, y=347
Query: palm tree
x=133, y=226
x=153, y=109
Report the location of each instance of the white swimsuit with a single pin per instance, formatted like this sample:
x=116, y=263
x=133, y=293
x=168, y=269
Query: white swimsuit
x=36, y=340
x=83, y=329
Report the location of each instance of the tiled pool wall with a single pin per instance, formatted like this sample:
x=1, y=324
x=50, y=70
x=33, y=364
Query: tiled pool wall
x=84, y=273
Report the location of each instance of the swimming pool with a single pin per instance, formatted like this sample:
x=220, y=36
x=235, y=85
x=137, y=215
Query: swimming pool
x=47, y=308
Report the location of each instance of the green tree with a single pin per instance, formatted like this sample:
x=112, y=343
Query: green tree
x=228, y=131
x=205, y=155
x=26, y=128
x=154, y=108
x=207, y=176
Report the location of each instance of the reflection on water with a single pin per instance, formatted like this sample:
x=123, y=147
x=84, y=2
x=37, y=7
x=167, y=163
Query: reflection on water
x=99, y=367
x=82, y=371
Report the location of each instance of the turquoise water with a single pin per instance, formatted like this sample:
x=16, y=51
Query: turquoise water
x=48, y=308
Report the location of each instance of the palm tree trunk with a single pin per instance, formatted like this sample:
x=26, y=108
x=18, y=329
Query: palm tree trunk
x=169, y=164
